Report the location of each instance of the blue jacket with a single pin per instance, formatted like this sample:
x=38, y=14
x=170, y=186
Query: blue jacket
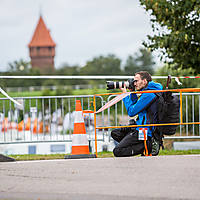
x=144, y=105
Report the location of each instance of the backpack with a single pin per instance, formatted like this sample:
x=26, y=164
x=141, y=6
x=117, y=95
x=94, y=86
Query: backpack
x=168, y=107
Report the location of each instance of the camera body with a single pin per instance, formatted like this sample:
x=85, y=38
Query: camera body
x=117, y=85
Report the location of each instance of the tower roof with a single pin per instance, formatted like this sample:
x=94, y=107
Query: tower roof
x=41, y=36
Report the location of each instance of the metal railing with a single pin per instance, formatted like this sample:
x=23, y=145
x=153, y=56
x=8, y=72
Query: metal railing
x=44, y=119
x=50, y=118
x=188, y=126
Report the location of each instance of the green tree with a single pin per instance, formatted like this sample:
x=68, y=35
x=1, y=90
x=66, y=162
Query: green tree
x=68, y=70
x=169, y=70
x=130, y=66
x=141, y=61
x=20, y=66
x=176, y=27
x=102, y=65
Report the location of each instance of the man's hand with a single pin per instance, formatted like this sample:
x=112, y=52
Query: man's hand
x=123, y=89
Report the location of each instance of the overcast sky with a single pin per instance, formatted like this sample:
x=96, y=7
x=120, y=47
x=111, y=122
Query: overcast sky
x=81, y=29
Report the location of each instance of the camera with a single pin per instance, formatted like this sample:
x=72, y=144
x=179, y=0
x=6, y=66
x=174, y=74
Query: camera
x=117, y=85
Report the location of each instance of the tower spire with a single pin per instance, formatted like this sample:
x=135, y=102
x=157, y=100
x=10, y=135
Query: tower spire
x=40, y=10
x=42, y=48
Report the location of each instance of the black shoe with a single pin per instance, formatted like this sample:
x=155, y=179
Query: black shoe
x=155, y=147
x=6, y=158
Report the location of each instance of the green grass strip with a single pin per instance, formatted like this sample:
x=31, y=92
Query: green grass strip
x=100, y=155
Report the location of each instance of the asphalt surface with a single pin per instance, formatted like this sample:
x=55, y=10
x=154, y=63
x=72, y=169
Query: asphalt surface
x=161, y=177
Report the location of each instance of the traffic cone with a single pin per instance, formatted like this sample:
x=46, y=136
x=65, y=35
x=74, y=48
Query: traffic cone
x=80, y=146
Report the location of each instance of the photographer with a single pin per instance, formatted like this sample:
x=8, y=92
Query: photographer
x=130, y=141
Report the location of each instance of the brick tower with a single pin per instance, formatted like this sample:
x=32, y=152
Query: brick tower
x=42, y=48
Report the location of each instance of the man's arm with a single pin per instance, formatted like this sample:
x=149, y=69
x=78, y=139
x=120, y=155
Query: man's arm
x=133, y=106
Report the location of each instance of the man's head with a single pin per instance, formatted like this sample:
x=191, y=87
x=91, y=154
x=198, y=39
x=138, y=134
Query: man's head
x=141, y=80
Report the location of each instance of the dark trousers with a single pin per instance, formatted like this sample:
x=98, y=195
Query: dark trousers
x=128, y=143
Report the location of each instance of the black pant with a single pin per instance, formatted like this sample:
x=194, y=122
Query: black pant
x=129, y=145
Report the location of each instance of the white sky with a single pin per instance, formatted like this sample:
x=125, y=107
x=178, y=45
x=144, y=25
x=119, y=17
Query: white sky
x=81, y=29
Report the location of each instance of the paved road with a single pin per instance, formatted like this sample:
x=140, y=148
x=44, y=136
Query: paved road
x=161, y=177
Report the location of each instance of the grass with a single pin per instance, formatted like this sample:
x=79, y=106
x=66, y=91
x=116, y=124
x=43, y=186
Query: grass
x=89, y=91
x=23, y=94
x=52, y=156
x=179, y=152
x=100, y=155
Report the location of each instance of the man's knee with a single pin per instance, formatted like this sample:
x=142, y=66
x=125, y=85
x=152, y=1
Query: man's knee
x=123, y=152
x=120, y=132
x=117, y=152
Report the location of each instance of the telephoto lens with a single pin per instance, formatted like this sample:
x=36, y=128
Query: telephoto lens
x=110, y=85
x=117, y=85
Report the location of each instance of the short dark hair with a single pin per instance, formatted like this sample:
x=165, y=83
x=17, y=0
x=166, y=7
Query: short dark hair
x=144, y=75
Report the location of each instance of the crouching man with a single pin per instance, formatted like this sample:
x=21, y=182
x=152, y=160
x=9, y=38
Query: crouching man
x=131, y=140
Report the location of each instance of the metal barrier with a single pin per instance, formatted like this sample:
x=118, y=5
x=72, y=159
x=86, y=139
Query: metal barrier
x=50, y=118
x=44, y=119
x=188, y=127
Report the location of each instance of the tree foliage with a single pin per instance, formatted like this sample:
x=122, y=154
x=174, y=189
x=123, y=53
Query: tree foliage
x=68, y=70
x=140, y=61
x=20, y=66
x=186, y=83
x=176, y=25
x=102, y=65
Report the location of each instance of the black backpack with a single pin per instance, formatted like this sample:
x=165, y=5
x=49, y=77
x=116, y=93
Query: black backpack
x=168, y=112
x=168, y=107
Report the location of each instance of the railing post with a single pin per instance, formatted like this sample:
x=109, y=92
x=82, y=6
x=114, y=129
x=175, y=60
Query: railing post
x=95, y=123
x=181, y=107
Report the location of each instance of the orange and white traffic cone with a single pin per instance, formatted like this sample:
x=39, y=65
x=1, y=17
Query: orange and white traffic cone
x=80, y=145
